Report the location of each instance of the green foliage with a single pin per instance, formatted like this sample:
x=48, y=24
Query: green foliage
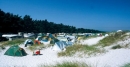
x=126, y=65
x=13, y=23
x=67, y=64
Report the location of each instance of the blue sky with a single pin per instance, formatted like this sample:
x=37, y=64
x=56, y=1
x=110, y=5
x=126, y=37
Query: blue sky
x=106, y=15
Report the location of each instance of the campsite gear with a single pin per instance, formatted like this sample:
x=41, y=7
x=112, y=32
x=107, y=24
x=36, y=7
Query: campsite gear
x=28, y=41
x=37, y=52
x=15, y=50
x=78, y=39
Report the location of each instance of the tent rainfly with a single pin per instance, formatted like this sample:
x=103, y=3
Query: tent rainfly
x=61, y=45
x=15, y=50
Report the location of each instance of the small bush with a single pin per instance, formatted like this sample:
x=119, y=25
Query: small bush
x=116, y=47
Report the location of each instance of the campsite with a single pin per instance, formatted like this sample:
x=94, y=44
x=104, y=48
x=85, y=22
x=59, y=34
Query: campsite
x=87, y=52
x=64, y=33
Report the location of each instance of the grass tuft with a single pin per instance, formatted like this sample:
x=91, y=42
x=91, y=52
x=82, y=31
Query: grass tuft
x=112, y=39
x=13, y=42
x=71, y=50
x=36, y=47
x=68, y=64
x=126, y=65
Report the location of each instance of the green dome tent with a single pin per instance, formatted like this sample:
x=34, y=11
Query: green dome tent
x=15, y=50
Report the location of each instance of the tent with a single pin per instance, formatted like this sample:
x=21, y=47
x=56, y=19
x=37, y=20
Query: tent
x=61, y=38
x=27, y=42
x=70, y=43
x=61, y=45
x=106, y=35
x=45, y=42
x=51, y=36
x=37, y=40
x=70, y=36
x=15, y=50
x=73, y=38
x=53, y=41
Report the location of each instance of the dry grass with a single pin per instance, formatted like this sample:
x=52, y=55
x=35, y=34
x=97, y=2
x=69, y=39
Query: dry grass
x=13, y=42
x=72, y=50
x=112, y=39
x=68, y=64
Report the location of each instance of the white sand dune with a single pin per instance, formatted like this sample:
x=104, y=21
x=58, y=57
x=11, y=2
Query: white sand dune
x=112, y=58
x=92, y=41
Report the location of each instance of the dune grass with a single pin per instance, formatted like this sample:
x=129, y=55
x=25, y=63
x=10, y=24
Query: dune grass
x=38, y=46
x=13, y=42
x=112, y=39
x=17, y=66
x=20, y=41
x=126, y=65
x=87, y=37
x=68, y=64
x=35, y=47
x=71, y=50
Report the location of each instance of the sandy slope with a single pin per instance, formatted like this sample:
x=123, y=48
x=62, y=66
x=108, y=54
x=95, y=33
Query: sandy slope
x=92, y=41
x=113, y=58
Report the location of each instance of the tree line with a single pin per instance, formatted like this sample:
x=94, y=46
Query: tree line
x=10, y=23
